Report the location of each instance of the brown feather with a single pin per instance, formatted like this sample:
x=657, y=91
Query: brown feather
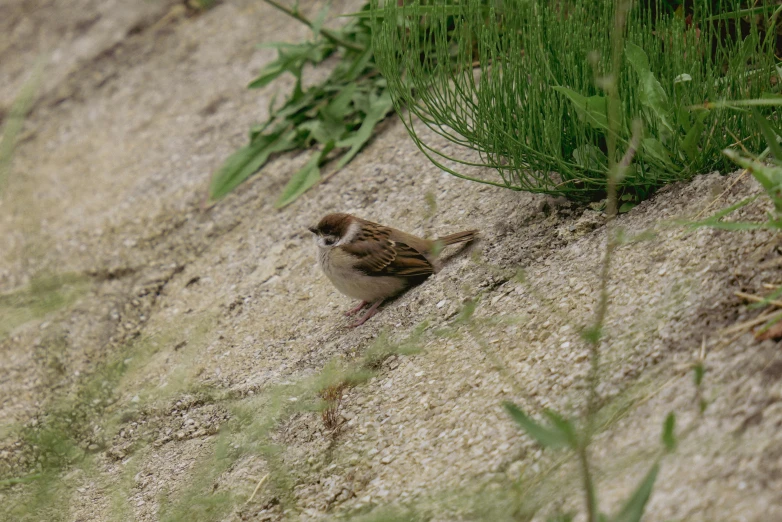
x=459, y=237
x=381, y=253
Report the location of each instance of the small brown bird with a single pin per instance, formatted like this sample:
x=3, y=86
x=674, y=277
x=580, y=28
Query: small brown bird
x=372, y=262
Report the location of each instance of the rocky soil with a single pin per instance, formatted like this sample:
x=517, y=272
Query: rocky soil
x=165, y=362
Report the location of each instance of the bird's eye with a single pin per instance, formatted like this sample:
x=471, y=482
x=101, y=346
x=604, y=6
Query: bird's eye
x=329, y=241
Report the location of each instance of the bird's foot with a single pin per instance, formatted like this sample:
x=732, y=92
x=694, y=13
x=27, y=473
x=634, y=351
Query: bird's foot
x=354, y=311
x=369, y=313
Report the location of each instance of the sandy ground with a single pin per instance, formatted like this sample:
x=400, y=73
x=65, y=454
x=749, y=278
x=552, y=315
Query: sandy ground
x=159, y=362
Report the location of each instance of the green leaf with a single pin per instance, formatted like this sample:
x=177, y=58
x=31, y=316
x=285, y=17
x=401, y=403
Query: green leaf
x=714, y=220
x=592, y=109
x=724, y=212
x=304, y=179
x=736, y=225
x=683, y=118
x=358, y=65
x=298, y=104
x=754, y=102
x=769, y=133
x=19, y=480
x=669, y=434
x=546, y=437
x=653, y=96
x=361, y=101
x=682, y=78
x=246, y=161
x=637, y=58
x=324, y=131
x=655, y=150
x=589, y=157
x=627, y=207
x=378, y=110
x=592, y=334
x=268, y=74
x=770, y=177
x=290, y=58
x=690, y=142
x=564, y=426
x=634, y=508
x=338, y=108
x=317, y=23
x=697, y=374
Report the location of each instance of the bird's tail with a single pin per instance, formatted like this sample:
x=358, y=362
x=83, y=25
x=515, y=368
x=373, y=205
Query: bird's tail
x=459, y=237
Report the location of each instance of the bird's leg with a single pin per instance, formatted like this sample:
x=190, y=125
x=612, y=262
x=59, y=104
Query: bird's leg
x=369, y=313
x=354, y=311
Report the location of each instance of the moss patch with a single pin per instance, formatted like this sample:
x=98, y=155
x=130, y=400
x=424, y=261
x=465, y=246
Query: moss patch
x=44, y=295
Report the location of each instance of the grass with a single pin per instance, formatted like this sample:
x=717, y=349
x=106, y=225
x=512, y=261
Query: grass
x=626, y=125
x=250, y=433
x=76, y=425
x=766, y=168
x=46, y=293
x=576, y=434
x=64, y=439
x=519, y=96
x=15, y=121
x=537, y=490
x=336, y=117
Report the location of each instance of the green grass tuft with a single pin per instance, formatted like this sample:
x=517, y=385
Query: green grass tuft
x=45, y=294
x=522, y=88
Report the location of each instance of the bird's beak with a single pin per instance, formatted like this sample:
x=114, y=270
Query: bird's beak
x=313, y=230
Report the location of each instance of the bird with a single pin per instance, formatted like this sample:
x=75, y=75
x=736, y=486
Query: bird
x=372, y=262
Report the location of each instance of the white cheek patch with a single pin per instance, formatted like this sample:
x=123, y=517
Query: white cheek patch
x=353, y=230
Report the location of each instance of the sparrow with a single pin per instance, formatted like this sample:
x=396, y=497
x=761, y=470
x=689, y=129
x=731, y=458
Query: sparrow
x=372, y=262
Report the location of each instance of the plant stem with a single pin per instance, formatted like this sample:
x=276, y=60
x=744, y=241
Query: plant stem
x=589, y=486
x=329, y=35
x=615, y=169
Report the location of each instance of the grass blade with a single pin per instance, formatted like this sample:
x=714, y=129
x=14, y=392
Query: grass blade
x=377, y=111
x=634, y=508
x=690, y=142
x=564, y=426
x=769, y=133
x=304, y=179
x=546, y=437
x=769, y=177
x=246, y=161
x=741, y=13
x=669, y=434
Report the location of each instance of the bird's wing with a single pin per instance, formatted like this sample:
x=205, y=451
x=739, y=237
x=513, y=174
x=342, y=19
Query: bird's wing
x=379, y=255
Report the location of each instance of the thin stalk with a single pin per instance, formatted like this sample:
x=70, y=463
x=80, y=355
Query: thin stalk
x=615, y=171
x=329, y=35
x=589, y=486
